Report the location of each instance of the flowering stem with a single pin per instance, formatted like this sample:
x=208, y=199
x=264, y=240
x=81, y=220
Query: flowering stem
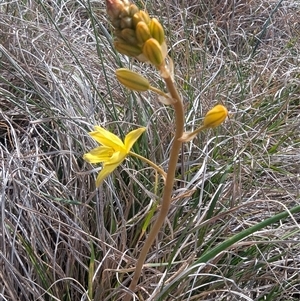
x=167, y=195
x=188, y=136
x=157, y=168
x=159, y=92
x=197, y=131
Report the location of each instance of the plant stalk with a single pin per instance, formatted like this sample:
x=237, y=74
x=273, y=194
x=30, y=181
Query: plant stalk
x=167, y=195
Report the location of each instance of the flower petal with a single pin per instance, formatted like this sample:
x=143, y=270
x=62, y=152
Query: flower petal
x=107, y=169
x=109, y=166
x=99, y=154
x=107, y=138
x=132, y=137
x=116, y=158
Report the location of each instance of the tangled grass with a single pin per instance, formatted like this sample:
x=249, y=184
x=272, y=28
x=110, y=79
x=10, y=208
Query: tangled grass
x=63, y=240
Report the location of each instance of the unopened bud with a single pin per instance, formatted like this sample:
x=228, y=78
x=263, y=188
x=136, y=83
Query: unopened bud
x=142, y=32
x=140, y=16
x=129, y=36
x=126, y=22
x=157, y=31
x=125, y=12
x=127, y=49
x=215, y=116
x=153, y=52
x=114, y=8
x=133, y=9
x=132, y=80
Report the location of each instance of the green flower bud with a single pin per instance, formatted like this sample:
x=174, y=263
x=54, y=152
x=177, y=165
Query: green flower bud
x=157, y=31
x=140, y=16
x=153, y=52
x=215, y=116
x=127, y=49
x=133, y=9
x=129, y=36
x=125, y=12
x=142, y=32
x=132, y=80
x=126, y=22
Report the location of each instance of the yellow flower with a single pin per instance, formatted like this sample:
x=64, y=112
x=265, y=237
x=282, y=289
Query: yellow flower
x=112, y=151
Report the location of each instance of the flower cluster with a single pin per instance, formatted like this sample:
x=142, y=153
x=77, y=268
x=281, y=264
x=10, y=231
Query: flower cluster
x=136, y=34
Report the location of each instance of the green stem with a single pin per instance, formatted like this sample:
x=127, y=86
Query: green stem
x=167, y=195
x=156, y=167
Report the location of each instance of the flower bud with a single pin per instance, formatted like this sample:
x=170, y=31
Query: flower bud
x=133, y=9
x=153, y=52
x=132, y=80
x=126, y=22
x=215, y=116
x=125, y=12
x=116, y=23
x=128, y=35
x=140, y=16
x=114, y=8
x=142, y=32
x=127, y=49
x=157, y=31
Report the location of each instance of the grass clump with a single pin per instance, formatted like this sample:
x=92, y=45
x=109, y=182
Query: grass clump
x=63, y=240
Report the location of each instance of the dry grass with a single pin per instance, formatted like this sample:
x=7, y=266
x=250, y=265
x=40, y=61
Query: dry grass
x=63, y=240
